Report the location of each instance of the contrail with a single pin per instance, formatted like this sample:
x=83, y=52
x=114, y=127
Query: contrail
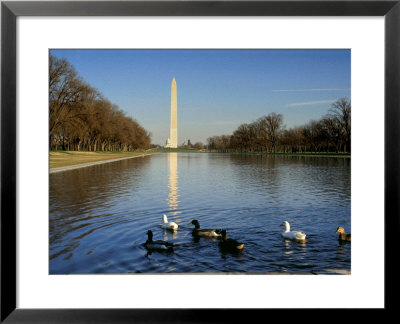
x=309, y=90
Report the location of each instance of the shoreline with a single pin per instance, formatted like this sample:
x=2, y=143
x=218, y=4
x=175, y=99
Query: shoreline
x=308, y=154
x=88, y=164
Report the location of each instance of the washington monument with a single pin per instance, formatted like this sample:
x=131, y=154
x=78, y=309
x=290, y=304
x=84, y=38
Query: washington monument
x=172, y=141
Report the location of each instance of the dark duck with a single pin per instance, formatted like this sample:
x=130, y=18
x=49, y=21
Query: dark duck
x=229, y=244
x=157, y=245
x=204, y=232
x=343, y=237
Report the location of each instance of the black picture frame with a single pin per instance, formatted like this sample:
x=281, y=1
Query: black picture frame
x=10, y=10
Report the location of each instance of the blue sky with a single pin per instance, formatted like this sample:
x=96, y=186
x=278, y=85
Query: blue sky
x=217, y=89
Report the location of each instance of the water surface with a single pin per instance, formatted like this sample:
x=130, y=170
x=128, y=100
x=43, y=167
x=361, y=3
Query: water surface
x=99, y=215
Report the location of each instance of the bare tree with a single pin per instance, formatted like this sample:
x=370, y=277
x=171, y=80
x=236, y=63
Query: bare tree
x=198, y=145
x=266, y=134
x=340, y=112
x=269, y=129
x=81, y=118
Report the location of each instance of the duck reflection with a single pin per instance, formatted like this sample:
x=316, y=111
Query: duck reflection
x=169, y=234
x=291, y=246
x=342, y=250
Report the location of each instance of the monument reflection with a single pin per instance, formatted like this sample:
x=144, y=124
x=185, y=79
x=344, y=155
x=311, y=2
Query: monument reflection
x=173, y=195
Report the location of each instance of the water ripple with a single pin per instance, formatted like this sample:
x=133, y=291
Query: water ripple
x=99, y=215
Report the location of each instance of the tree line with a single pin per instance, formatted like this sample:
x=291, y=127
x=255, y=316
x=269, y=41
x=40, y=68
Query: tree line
x=80, y=118
x=332, y=133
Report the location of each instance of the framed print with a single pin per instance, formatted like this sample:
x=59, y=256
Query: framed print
x=58, y=266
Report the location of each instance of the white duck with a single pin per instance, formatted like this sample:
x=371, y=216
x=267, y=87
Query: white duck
x=292, y=235
x=169, y=225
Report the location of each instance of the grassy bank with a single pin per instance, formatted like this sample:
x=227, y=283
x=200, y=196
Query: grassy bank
x=189, y=150
x=181, y=150
x=321, y=154
x=67, y=158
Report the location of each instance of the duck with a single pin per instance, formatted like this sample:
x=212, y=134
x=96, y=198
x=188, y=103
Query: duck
x=343, y=237
x=172, y=226
x=157, y=245
x=206, y=232
x=229, y=244
x=292, y=235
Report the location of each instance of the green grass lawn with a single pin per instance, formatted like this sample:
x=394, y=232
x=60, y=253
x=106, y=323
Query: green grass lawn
x=183, y=150
x=192, y=150
x=67, y=158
